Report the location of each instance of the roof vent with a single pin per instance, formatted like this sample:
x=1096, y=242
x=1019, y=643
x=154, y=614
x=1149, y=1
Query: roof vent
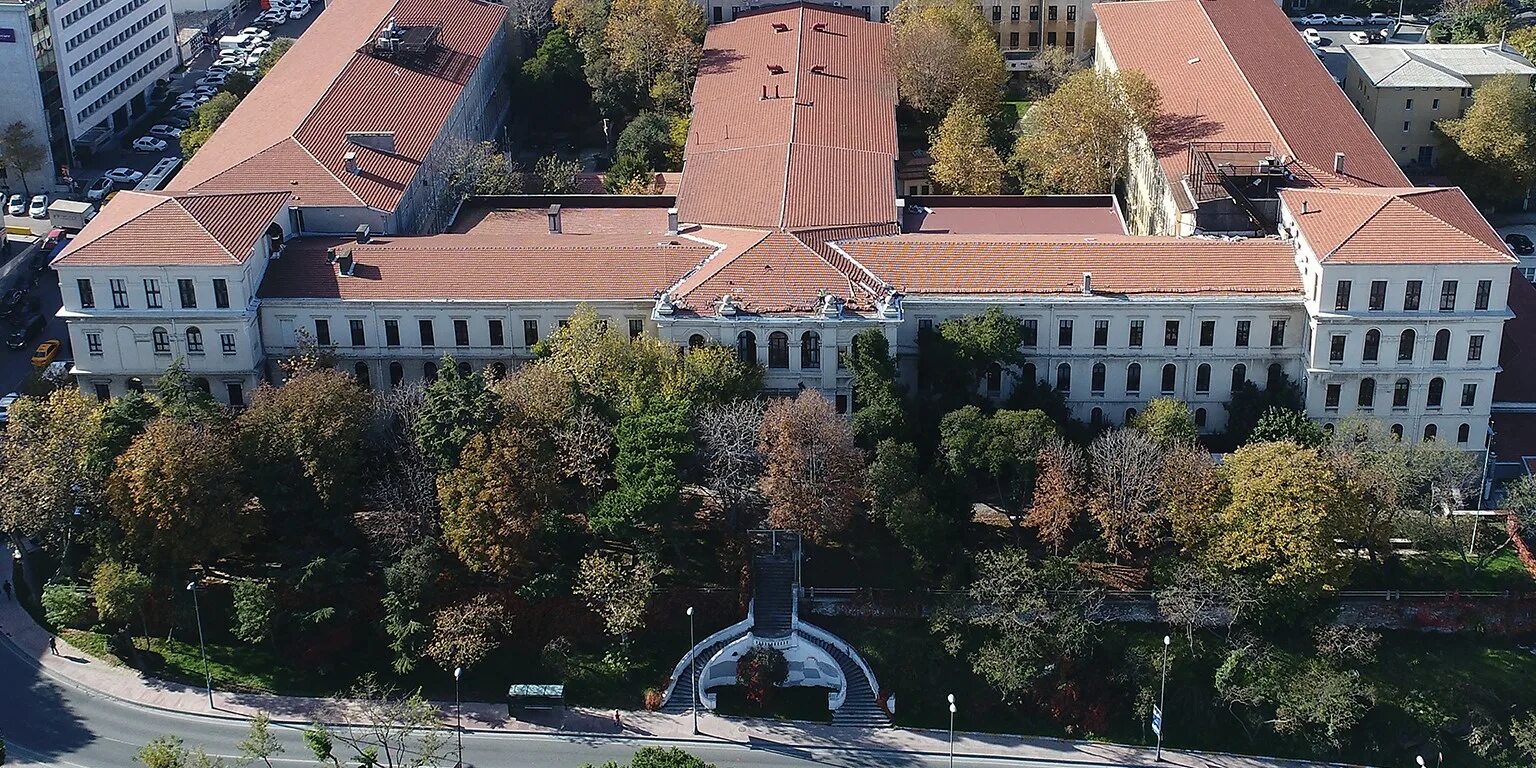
x=1087, y=283
x=727, y=306
x=774, y=69
x=819, y=69
x=664, y=304
x=820, y=26
x=345, y=264
x=554, y=219
x=1306, y=208
x=1338, y=162
x=350, y=159
x=364, y=234
x=780, y=27
x=831, y=306
x=1195, y=60
x=672, y=221
x=378, y=141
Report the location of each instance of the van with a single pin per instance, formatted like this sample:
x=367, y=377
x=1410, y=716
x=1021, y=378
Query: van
x=234, y=42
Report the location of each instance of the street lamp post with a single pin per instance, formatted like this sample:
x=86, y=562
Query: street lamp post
x=693, y=675
x=1162, y=696
x=202, y=648
x=951, y=730
x=458, y=714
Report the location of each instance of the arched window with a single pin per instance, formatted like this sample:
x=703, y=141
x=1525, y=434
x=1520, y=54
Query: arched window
x=1328, y=429
x=361, y=372
x=1170, y=377
x=162, y=341
x=1064, y=378
x=1203, y=379
x=1405, y=345
x=1463, y=433
x=396, y=374
x=429, y=372
x=1372, y=345
x=1367, y=393
x=994, y=379
x=203, y=385
x=1436, y=391
x=1199, y=418
x=1097, y=384
x=1028, y=374
x=1133, y=379
x=136, y=384
x=810, y=350
x=194, y=340
x=1397, y=432
x=1274, y=376
x=1442, y=345
x=697, y=340
x=778, y=350
x=1096, y=417
x=1400, y=394
x=464, y=369
x=1130, y=415
x=1239, y=375
x=498, y=369
x=1430, y=431
x=746, y=347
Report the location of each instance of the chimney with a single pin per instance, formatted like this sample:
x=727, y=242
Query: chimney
x=672, y=221
x=351, y=160
x=1305, y=209
x=819, y=69
x=820, y=26
x=344, y=264
x=554, y=219
x=378, y=141
x=1338, y=162
x=1087, y=283
x=364, y=234
x=765, y=92
x=780, y=27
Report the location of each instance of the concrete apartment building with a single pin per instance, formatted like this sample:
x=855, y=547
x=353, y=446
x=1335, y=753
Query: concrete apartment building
x=787, y=237
x=1403, y=90
x=29, y=87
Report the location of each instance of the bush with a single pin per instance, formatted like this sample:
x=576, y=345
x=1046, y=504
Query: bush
x=653, y=699
x=65, y=606
x=760, y=671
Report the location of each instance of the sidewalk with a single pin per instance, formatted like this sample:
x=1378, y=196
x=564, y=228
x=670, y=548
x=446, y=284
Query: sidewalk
x=74, y=666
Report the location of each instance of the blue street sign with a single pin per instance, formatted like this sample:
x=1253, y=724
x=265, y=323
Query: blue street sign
x=1157, y=720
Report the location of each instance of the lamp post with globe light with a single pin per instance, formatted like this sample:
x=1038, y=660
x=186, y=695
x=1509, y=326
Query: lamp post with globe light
x=951, y=730
x=458, y=714
x=693, y=675
x=202, y=648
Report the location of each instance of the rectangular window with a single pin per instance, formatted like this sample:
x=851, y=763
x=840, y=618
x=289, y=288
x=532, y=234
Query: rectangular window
x=1474, y=347
x=1071, y=13
x=119, y=293
x=1050, y=13
x=1411, y=295
x=1171, y=333
x=1434, y=104
x=1277, y=333
x=1207, y=333
x=1378, y=299
x=1034, y=37
x=636, y=327
x=1013, y=39
x=461, y=333
x=1341, y=297
x=1336, y=348
x=188, y=292
x=1050, y=39
x=87, y=296
x=424, y=330
x=220, y=293
x=1406, y=126
x=925, y=324
x=1408, y=104
x=1013, y=13
x=1138, y=327
x=1448, y=296
x=997, y=13
x=494, y=327
x=359, y=338
x=1034, y=13
x=1484, y=291
x=1331, y=397
x=1031, y=333
x=227, y=342
x=1468, y=395
x=93, y=343
x=392, y=333
x=530, y=332
x=1064, y=334
x=151, y=293
x=322, y=332
x=1071, y=40
x=1243, y=327
x=1101, y=333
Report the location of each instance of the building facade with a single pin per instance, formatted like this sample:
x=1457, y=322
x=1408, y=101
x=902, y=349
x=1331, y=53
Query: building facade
x=29, y=88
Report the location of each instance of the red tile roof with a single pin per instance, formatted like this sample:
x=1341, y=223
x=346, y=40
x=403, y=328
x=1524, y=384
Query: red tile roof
x=777, y=273
x=1236, y=70
x=980, y=265
x=158, y=228
x=1394, y=226
x=1014, y=215
x=793, y=123
x=291, y=130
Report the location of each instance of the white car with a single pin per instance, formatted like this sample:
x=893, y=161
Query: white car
x=1360, y=38
x=165, y=131
x=99, y=190
x=124, y=176
x=149, y=144
x=5, y=406
x=1311, y=36
x=258, y=33
x=1345, y=20
x=1381, y=18
x=1316, y=18
x=39, y=207
x=17, y=206
x=299, y=11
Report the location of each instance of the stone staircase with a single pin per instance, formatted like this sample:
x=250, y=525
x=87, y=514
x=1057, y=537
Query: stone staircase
x=860, y=709
x=682, y=694
x=773, y=596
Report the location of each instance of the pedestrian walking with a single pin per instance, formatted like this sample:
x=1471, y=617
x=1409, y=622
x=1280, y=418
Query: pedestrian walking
x=7, y=590
x=616, y=723
x=53, y=645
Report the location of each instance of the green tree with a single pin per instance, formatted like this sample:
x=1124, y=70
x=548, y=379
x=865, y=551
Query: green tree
x=953, y=359
x=302, y=445
x=553, y=78
x=1074, y=140
x=996, y=452
x=942, y=50
x=50, y=466
x=269, y=59
x=1287, y=424
x=1523, y=732
x=1524, y=41
x=635, y=47
x=879, y=413
x=813, y=477
x=318, y=738
x=255, y=607
x=163, y=752
x=964, y=161
x=119, y=590
x=494, y=502
x=20, y=149
x=921, y=509
x=456, y=408
x=1280, y=522
x=1167, y=421
x=1249, y=403
x=618, y=587
x=648, y=137
x=122, y=419
x=713, y=375
x=1494, y=144
x=480, y=169
x=653, y=442
x=205, y=120
x=64, y=605
x=658, y=757
x=178, y=397
x=408, y=583
x=464, y=633
x=1471, y=21
x=556, y=176
x=260, y=743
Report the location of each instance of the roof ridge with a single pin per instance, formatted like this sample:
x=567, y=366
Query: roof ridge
x=875, y=280
x=344, y=185
x=712, y=264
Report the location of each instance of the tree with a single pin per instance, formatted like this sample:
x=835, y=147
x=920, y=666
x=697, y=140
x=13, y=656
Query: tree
x=1249, y=403
x=1167, y=421
x=260, y=743
x=1191, y=493
x=318, y=738
x=64, y=605
x=713, y=374
x=393, y=729
x=618, y=587
x=1123, y=489
x=122, y=419
x=163, y=752
x=269, y=59
x=1279, y=524
x=205, y=120
x=1201, y=597
x=408, y=583
x=652, y=444
x=303, y=443
x=648, y=138
x=553, y=78
x=942, y=50
x=1494, y=144
x=1523, y=732
x=964, y=161
x=119, y=590
x=879, y=412
x=556, y=176
x=1323, y=702
x=494, y=502
x=255, y=607
x=642, y=44
x=953, y=359
x=464, y=633
x=1059, y=492
x=477, y=168
x=996, y=452
x=175, y=497
x=1524, y=41
x=813, y=480
x=658, y=757
x=1075, y=140
x=20, y=149
x=921, y=509
x=456, y=408
x=732, y=463
x=1471, y=21
x=759, y=671
x=1287, y=424
x=178, y=397
x=51, y=466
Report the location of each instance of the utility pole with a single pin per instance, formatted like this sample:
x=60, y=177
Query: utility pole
x=1162, y=697
x=202, y=648
x=458, y=714
x=693, y=674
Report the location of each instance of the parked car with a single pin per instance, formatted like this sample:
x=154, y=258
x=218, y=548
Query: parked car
x=193, y=100
x=17, y=206
x=261, y=34
x=1346, y=20
x=5, y=406
x=99, y=189
x=26, y=330
x=176, y=121
x=149, y=144
x=1312, y=36
x=1360, y=38
x=165, y=131
x=39, y=207
x=214, y=79
x=1380, y=18
x=45, y=353
x=1316, y=18
x=256, y=53
x=298, y=11
x=1520, y=244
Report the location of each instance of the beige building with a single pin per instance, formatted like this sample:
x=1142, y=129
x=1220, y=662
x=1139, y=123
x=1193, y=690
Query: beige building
x=1402, y=90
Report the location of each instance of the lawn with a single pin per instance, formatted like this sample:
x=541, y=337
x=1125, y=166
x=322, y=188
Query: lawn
x=1444, y=571
x=1013, y=112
